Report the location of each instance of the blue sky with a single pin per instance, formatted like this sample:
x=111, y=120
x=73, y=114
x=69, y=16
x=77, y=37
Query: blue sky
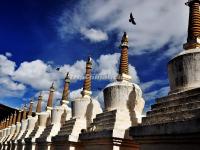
x=38, y=36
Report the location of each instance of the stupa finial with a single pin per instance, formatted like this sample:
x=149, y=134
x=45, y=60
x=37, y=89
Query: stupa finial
x=66, y=89
x=193, y=40
x=123, y=66
x=50, y=99
x=87, y=81
x=124, y=41
x=39, y=104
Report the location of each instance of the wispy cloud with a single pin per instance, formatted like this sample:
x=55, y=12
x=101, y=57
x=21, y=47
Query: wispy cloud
x=148, y=85
x=7, y=83
x=8, y=54
x=156, y=94
x=94, y=35
x=152, y=90
x=158, y=22
x=5, y=93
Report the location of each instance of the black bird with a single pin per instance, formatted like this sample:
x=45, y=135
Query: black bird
x=132, y=19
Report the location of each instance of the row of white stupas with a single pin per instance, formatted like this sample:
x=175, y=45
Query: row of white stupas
x=84, y=126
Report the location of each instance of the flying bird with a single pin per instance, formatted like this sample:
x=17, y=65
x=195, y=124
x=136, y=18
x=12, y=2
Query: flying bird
x=58, y=69
x=132, y=20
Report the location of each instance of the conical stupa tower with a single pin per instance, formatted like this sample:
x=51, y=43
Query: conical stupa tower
x=24, y=113
x=123, y=67
x=15, y=118
x=1, y=129
x=84, y=109
x=1, y=125
x=39, y=104
x=193, y=40
x=50, y=99
x=176, y=117
x=10, y=120
x=19, y=116
x=87, y=82
x=123, y=108
x=24, y=124
x=30, y=109
x=65, y=90
x=13, y=130
x=5, y=131
x=83, y=101
x=18, y=124
x=60, y=114
x=183, y=70
x=114, y=93
x=36, y=125
x=7, y=122
x=31, y=125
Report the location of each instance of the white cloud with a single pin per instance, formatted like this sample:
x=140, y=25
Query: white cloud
x=173, y=49
x=8, y=87
x=133, y=74
x=98, y=95
x=76, y=70
x=4, y=93
x=36, y=73
x=40, y=75
x=158, y=22
x=156, y=94
x=7, y=67
x=8, y=54
x=75, y=94
x=94, y=35
x=7, y=83
x=147, y=85
x=109, y=65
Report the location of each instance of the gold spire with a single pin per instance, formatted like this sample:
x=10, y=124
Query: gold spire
x=65, y=90
x=7, y=122
x=123, y=67
x=1, y=125
x=14, y=118
x=19, y=116
x=24, y=113
x=4, y=124
x=30, y=108
x=193, y=40
x=10, y=120
x=39, y=104
x=50, y=99
x=87, y=81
